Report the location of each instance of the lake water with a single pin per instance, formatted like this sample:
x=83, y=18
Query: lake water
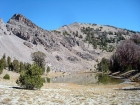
x=85, y=79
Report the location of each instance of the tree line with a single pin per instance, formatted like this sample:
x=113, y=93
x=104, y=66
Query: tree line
x=30, y=74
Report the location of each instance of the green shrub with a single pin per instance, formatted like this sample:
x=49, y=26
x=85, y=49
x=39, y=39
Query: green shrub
x=6, y=76
x=103, y=66
x=39, y=59
x=48, y=80
x=31, y=79
x=48, y=69
x=16, y=65
x=1, y=65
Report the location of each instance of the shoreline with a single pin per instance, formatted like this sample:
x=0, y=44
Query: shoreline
x=68, y=93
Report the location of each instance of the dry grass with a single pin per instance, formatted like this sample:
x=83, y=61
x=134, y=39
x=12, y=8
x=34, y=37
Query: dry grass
x=65, y=93
x=6, y=101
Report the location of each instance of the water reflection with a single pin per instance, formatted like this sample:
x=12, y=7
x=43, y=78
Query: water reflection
x=84, y=79
x=105, y=79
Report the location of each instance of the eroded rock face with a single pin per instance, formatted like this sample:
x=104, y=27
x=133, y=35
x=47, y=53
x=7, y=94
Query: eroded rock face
x=21, y=19
x=68, y=42
x=27, y=30
x=56, y=46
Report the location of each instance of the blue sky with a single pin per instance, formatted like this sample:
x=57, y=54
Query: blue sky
x=52, y=14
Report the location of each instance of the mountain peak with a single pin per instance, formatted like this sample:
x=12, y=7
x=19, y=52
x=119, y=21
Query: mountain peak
x=19, y=17
x=22, y=20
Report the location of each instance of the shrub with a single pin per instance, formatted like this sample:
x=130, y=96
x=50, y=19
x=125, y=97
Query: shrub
x=1, y=65
x=31, y=78
x=48, y=80
x=48, y=69
x=126, y=57
x=103, y=66
x=21, y=66
x=16, y=65
x=6, y=76
x=135, y=38
x=4, y=61
x=8, y=62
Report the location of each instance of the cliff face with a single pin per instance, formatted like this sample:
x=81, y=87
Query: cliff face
x=69, y=48
x=26, y=30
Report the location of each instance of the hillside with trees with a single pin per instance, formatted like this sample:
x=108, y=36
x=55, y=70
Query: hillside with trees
x=125, y=58
x=30, y=74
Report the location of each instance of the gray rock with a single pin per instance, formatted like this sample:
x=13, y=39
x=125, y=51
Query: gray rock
x=85, y=56
x=68, y=42
x=58, y=58
x=72, y=58
x=3, y=29
x=28, y=44
x=27, y=30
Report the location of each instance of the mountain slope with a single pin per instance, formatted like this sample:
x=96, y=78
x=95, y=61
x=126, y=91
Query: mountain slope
x=69, y=48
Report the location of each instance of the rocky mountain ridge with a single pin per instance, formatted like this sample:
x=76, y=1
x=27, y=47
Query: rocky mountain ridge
x=69, y=48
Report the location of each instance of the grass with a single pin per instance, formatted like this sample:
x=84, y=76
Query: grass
x=6, y=101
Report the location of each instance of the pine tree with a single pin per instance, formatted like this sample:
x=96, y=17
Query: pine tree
x=39, y=59
x=1, y=65
x=4, y=60
x=48, y=69
x=21, y=67
x=8, y=62
x=31, y=79
x=16, y=65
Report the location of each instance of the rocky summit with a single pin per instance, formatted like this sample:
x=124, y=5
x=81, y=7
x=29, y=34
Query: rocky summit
x=74, y=47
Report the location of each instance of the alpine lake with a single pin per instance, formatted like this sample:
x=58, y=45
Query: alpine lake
x=85, y=79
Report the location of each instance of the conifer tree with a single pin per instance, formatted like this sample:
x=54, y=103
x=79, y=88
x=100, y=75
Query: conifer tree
x=31, y=79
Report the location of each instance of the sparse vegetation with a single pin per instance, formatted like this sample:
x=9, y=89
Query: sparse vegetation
x=6, y=76
x=102, y=40
x=65, y=33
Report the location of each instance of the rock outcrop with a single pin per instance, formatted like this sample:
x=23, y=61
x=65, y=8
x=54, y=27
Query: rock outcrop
x=3, y=29
x=27, y=30
x=72, y=58
x=67, y=48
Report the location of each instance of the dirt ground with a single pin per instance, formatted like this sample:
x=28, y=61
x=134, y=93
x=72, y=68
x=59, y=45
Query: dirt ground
x=68, y=94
